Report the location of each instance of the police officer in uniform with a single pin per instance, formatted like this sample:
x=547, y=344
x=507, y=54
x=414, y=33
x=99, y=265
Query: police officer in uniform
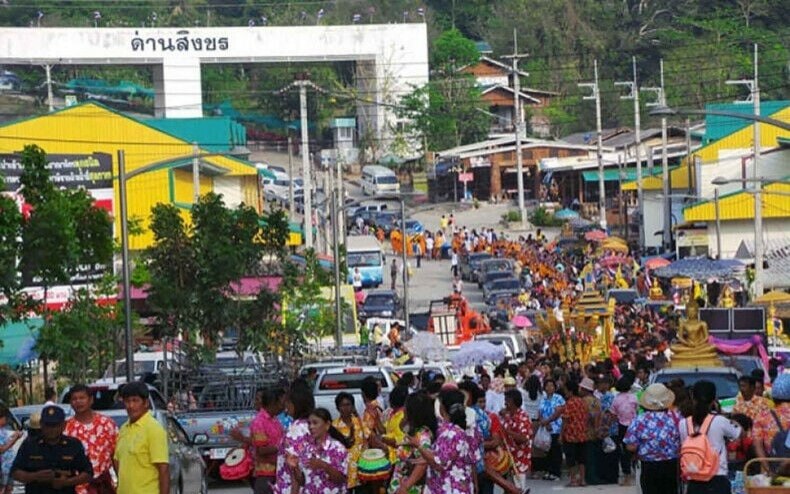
x=54, y=463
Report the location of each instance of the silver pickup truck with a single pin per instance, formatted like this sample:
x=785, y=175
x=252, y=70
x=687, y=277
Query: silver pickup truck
x=330, y=382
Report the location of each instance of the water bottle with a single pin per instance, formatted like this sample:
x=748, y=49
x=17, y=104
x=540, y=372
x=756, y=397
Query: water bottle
x=738, y=484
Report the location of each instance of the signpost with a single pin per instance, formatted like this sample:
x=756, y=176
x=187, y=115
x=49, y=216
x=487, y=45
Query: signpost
x=465, y=178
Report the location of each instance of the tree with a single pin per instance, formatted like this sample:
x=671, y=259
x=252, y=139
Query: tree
x=448, y=111
x=66, y=235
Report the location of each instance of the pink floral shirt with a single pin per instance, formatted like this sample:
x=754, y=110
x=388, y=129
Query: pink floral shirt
x=265, y=430
x=318, y=481
x=624, y=407
x=296, y=442
x=456, y=456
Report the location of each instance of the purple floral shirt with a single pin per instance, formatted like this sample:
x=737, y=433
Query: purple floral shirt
x=296, y=442
x=318, y=481
x=456, y=454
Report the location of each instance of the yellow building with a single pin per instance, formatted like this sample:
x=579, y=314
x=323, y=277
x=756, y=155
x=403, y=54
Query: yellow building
x=91, y=128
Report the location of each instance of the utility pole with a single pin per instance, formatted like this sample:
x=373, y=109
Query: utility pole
x=404, y=261
x=125, y=274
x=336, y=254
x=303, y=83
x=634, y=95
x=291, y=204
x=691, y=164
x=50, y=101
x=596, y=95
x=754, y=98
x=718, y=222
x=195, y=173
x=517, y=125
x=667, y=200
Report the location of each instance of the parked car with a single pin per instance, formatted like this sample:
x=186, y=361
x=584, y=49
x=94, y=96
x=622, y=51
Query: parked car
x=386, y=221
x=507, y=286
x=381, y=303
x=330, y=382
x=492, y=265
x=24, y=412
x=470, y=264
x=413, y=227
x=492, y=276
x=725, y=379
x=514, y=341
x=377, y=207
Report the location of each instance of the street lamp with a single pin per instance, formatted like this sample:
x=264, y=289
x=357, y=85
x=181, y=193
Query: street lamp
x=758, y=227
x=123, y=177
x=758, y=223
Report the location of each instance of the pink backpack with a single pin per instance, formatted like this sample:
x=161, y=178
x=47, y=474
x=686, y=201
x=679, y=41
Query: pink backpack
x=698, y=459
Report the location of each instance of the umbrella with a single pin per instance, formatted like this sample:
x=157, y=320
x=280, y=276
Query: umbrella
x=615, y=246
x=426, y=346
x=656, y=262
x=580, y=223
x=478, y=352
x=522, y=321
x=774, y=297
x=595, y=236
x=566, y=214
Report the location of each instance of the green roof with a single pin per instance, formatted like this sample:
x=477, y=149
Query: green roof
x=718, y=127
x=613, y=174
x=216, y=134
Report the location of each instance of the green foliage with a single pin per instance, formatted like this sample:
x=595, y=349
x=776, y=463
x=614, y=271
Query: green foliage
x=512, y=216
x=452, y=50
x=10, y=245
x=541, y=217
x=86, y=335
x=308, y=313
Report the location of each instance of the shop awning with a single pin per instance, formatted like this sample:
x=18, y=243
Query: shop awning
x=19, y=340
x=611, y=175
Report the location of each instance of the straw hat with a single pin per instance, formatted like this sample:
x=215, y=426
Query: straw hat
x=587, y=384
x=34, y=422
x=656, y=397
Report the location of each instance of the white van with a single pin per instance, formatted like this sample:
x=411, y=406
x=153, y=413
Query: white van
x=378, y=179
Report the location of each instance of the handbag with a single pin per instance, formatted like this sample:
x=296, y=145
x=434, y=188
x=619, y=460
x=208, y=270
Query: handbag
x=542, y=439
x=499, y=460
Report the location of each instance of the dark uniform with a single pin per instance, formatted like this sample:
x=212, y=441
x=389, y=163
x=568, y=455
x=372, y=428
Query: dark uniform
x=67, y=454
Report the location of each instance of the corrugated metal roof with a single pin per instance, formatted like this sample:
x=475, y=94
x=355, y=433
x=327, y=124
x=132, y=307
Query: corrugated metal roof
x=717, y=126
x=740, y=205
x=777, y=255
x=211, y=133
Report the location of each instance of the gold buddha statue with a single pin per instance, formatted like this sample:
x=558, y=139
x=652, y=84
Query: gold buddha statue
x=693, y=348
x=619, y=280
x=727, y=300
x=656, y=293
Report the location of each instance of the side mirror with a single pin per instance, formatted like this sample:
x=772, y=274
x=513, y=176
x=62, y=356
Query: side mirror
x=199, y=439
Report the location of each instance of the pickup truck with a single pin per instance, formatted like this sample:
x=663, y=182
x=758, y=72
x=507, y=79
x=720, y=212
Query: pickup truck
x=330, y=382
x=219, y=409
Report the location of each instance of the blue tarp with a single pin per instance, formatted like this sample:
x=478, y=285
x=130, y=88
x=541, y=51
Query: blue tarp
x=19, y=341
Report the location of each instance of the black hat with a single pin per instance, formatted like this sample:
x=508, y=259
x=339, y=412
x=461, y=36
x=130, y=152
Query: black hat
x=52, y=415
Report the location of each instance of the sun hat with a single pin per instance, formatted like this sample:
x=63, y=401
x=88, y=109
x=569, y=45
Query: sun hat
x=587, y=384
x=781, y=388
x=509, y=381
x=656, y=397
x=34, y=422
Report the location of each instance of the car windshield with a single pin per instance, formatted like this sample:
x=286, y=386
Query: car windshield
x=726, y=383
x=387, y=180
x=498, y=275
x=140, y=368
x=364, y=259
x=509, y=284
x=281, y=183
x=496, y=265
x=385, y=301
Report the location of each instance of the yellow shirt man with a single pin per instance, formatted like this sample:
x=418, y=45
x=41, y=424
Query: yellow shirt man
x=141, y=445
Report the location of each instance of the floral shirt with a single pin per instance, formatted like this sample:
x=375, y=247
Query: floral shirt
x=456, y=454
x=574, y=425
x=750, y=408
x=402, y=466
x=656, y=434
x=593, y=413
x=98, y=438
x=360, y=436
x=520, y=423
x=624, y=407
x=318, y=481
x=548, y=405
x=7, y=458
x=265, y=430
x=295, y=443
x=765, y=427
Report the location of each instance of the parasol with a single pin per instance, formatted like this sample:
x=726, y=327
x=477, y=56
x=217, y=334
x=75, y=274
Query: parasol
x=615, y=246
x=426, y=346
x=656, y=262
x=566, y=214
x=774, y=297
x=595, y=236
x=522, y=321
x=478, y=352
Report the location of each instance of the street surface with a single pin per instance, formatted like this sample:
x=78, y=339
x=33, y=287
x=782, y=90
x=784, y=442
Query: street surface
x=433, y=281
